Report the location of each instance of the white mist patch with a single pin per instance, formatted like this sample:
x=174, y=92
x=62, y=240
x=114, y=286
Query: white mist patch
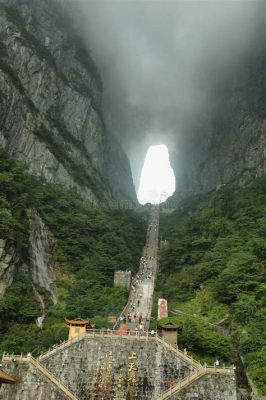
x=157, y=181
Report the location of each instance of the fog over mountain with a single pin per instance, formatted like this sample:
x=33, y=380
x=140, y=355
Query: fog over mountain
x=160, y=62
x=86, y=86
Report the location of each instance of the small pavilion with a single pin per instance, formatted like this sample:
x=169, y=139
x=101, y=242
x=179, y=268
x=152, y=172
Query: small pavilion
x=169, y=332
x=77, y=327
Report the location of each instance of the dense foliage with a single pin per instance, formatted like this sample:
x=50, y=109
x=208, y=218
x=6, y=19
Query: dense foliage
x=91, y=243
x=201, y=341
x=213, y=268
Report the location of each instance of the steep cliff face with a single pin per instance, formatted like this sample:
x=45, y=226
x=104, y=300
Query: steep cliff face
x=228, y=146
x=119, y=171
x=41, y=254
x=39, y=262
x=9, y=261
x=51, y=103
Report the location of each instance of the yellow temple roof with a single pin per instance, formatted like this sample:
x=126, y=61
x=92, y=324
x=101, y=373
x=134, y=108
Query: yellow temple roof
x=78, y=322
x=6, y=378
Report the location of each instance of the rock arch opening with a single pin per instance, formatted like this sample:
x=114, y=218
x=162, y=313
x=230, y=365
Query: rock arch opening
x=157, y=180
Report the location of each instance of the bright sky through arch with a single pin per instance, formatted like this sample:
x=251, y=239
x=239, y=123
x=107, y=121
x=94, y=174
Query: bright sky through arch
x=157, y=181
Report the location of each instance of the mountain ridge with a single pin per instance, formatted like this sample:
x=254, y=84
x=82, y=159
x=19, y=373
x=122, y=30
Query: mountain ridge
x=51, y=114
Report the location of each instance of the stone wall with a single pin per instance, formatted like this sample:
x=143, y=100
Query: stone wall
x=97, y=367
x=34, y=385
x=209, y=387
x=122, y=278
x=77, y=366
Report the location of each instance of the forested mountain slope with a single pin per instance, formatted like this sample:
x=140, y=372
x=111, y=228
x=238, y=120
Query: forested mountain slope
x=212, y=267
x=60, y=255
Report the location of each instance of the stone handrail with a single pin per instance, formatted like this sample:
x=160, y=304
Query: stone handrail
x=108, y=333
x=93, y=333
x=150, y=336
x=198, y=373
x=117, y=322
x=181, y=384
x=220, y=370
x=184, y=356
x=61, y=346
x=199, y=370
x=116, y=335
x=43, y=370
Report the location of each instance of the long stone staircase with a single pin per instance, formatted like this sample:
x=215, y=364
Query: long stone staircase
x=142, y=294
x=125, y=338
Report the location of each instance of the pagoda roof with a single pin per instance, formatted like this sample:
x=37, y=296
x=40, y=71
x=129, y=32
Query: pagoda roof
x=170, y=326
x=78, y=322
x=6, y=378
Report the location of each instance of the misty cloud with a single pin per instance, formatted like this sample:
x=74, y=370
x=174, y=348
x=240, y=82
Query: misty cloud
x=160, y=59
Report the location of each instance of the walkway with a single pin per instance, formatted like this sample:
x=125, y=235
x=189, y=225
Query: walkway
x=141, y=294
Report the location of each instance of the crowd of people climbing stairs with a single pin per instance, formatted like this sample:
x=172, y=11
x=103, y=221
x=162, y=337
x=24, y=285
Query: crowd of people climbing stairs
x=136, y=315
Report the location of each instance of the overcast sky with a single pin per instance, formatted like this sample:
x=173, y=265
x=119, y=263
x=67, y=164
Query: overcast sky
x=160, y=59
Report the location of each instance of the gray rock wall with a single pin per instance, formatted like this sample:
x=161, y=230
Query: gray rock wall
x=209, y=387
x=76, y=366
x=239, y=158
x=228, y=144
x=9, y=261
x=41, y=253
x=34, y=385
x=50, y=98
x=100, y=367
x=39, y=267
